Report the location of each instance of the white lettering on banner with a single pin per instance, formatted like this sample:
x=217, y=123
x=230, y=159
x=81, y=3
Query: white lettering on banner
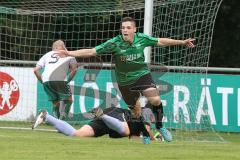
x=181, y=104
x=205, y=95
x=225, y=92
x=182, y=101
x=95, y=88
x=238, y=107
x=109, y=99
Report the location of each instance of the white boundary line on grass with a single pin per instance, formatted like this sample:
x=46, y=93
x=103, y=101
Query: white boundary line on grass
x=21, y=128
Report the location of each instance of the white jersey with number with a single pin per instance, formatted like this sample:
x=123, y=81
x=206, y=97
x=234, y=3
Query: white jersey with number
x=55, y=68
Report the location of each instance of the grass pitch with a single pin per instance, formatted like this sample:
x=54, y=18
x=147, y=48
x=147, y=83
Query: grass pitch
x=42, y=145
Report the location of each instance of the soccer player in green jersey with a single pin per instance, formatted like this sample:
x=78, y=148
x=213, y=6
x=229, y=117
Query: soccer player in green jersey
x=132, y=73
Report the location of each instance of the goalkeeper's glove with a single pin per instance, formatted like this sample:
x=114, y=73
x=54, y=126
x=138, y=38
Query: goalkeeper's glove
x=146, y=140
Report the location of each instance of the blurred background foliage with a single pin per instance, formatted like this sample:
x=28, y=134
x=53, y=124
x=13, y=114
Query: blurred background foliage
x=225, y=50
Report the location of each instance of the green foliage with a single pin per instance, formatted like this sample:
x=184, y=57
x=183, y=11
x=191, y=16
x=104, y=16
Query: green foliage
x=226, y=37
x=28, y=36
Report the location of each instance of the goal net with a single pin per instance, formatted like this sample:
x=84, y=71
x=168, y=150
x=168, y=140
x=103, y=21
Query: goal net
x=28, y=29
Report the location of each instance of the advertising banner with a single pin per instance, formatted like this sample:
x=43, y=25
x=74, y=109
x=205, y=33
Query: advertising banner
x=194, y=101
x=18, y=88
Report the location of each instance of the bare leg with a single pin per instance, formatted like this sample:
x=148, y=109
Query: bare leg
x=67, y=106
x=56, y=112
x=155, y=104
x=84, y=131
x=136, y=109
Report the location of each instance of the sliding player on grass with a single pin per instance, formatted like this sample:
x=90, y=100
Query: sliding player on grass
x=116, y=122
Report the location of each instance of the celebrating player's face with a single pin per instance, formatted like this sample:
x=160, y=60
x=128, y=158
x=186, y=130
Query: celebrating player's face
x=128, y=30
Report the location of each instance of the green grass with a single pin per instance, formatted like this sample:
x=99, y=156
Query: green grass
x=41, y=145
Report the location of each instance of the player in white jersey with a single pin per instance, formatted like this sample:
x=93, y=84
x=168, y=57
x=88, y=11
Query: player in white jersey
x=58, y=72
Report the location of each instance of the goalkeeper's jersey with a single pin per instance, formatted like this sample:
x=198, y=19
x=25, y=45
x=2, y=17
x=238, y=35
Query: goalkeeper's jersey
x=130, y=58
x=55, y=68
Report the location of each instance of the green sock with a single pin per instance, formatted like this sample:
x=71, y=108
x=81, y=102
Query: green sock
x=56, y=112
x=67, y=107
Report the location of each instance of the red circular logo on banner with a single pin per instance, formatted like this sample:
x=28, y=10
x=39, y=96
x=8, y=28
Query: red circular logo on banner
x=9, y=93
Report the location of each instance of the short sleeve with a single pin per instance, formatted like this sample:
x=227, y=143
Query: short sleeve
x=149, y=40
x=106, y=47
x=41, y=62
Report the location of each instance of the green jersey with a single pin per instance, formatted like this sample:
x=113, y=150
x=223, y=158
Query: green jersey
x=130, y=63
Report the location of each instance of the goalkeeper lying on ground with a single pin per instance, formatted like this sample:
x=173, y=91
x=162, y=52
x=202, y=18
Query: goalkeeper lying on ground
x=116, y=122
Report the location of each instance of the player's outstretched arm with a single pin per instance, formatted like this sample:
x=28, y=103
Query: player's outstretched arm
x=171, y=42
x=84, y=53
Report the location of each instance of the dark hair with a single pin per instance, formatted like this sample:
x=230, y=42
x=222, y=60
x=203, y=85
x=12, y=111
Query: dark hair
x=129, y=19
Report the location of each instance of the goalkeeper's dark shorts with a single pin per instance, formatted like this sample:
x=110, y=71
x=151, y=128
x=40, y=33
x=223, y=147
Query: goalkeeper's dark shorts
x=100, y=128
x=131, y=93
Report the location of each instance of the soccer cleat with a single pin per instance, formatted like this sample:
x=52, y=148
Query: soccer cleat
x=166, y=135
x=97, y=112
x=146, y=140
x=40, y=119
x=158, y=137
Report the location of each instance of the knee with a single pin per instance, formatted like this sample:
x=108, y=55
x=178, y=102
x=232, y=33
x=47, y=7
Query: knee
x=85, y=131
x=68, y=101
x=56, y=104
x=125, y=132
x=155, y=101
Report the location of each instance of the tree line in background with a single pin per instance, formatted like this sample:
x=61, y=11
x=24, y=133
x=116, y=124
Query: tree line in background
x=225, y=51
